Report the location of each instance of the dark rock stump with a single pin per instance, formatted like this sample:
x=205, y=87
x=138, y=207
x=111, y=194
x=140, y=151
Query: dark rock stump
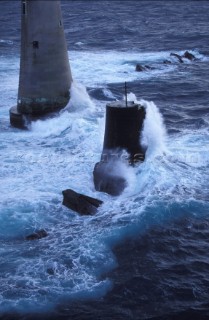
x=80, y=203
x=189, y=56
x=177, y=56
x=139, y=68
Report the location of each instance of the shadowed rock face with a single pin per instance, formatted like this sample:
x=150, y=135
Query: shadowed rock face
x=80, y=203
x=189, y=56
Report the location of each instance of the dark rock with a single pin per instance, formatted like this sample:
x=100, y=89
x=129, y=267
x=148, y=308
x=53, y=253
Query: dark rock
x=140, y=68
x=106, y=181
x=148, y=67
x=177, y=56
x=50, y=271
x=189, y=56
x=80, y=203
x=39, y=234
x=167, y=62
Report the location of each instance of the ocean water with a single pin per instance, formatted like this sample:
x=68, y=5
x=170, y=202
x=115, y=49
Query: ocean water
x=144, y=255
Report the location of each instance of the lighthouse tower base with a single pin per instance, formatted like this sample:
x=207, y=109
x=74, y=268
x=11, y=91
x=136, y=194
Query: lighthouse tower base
x=22, y=120
x=17, y=119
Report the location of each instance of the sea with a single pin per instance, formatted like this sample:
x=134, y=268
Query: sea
x=145, y=253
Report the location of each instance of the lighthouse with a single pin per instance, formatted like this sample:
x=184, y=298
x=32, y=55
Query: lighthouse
x=124, y=125
x=45, y=76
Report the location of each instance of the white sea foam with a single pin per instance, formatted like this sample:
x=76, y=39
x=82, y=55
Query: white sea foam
x=71, y=117
x=79, y=99
x=153, y=137
x=154, y=132
x=9, y=76
x=108, y=93
x=118, y=66
x=6, y=41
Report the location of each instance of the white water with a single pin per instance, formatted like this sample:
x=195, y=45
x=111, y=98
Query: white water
x=61, y=153
x=97, y=69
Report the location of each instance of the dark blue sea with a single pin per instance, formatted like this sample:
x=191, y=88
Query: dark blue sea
x=145, y=254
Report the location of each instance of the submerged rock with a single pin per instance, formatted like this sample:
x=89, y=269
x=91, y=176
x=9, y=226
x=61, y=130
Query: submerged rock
x=186, y=55
x=189, y=56
x=177, y=56
x=50, y=271
x=39, y=234
x=80, y=203
x=149, y=68
x=167, y=62
x=140, y=68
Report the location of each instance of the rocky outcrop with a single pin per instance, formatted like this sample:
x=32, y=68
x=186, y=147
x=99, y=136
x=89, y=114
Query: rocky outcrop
x=140, y=68
x=189, y=56
x=186, y=55
x=177, y=56
x=167, y=62
x=80, y=203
